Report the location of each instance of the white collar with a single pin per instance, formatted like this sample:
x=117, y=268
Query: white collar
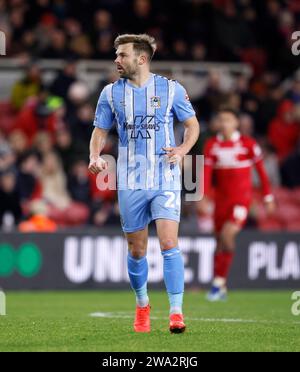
x=234, y=137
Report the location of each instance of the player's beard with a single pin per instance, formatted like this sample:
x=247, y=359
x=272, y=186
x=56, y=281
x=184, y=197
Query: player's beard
x=129, y=72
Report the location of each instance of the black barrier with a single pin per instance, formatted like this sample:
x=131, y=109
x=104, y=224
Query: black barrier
x=84, y=259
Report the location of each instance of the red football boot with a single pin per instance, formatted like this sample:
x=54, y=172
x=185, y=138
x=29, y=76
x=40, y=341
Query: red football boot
x=142, y=319
x=176, y=323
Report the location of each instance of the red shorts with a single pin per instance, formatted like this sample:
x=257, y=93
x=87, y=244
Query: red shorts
x=235, y=212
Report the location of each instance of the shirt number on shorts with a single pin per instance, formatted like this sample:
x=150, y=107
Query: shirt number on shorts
x=173, y=201
x=240, y=212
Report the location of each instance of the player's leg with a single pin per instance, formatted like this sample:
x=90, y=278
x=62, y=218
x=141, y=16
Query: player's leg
x=167, y=231
x=227, y=229
x=134, y=218
x=227, y=242
x=138, y=274
x=137, y=265
x=222, y=260
x=165, y=210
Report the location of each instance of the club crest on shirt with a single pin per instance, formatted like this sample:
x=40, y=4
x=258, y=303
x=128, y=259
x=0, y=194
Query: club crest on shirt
x=155, y=102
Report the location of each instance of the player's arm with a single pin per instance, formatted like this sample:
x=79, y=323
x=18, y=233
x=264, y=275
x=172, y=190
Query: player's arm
x=191, y=134
x=185, y=113
x=103, y=122
x=204, y=204
x=269, y=200
x=97, y=143
x=264, y=179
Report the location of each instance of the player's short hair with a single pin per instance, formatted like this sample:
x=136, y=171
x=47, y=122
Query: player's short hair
x=229, y=110
x=141, y=43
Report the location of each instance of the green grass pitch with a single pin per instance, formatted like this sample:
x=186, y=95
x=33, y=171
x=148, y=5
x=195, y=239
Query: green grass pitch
x=61, y=321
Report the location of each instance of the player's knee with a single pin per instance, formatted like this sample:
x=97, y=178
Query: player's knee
x=137, y=248
x=227, y=242
x=137, y=254
x=167, y=243
x=228, y=236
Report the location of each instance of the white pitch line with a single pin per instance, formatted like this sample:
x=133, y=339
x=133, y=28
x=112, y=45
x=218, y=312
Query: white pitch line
x=117, y=315
x=128, y=315
x=124, y=315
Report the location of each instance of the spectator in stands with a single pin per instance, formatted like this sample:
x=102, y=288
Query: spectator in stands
x=10, y=206
x=226, y=30
x=79, y=43
x=198, y=52
x=38, y=220
x=246, y=125
x=28, y=176
x=217, y=30
x=212, y=95
x=64, y=80
x=290, y=170
x=7, y=156
x=249, y=102
x=61, y=208
x=79, y=182
x=18, y=142
x=209, y=130
x=39, y=116
x=110, y=78
x=80, y=113
x=104, y=47
x=58, y=47
x=82, y=124
x=29, y=86
x=233, y=100
x=284, y=130
x=30, y=43
x=68, y=149
x=180, y=50
x=294, y=93
x=267, y=108
x=271, y=165
x=232, y=32
x=142, y=15
x=18, y=26
x=42, y=143
x=53, y=182
x=46, y=25
x=78, y=94
x=103, y=25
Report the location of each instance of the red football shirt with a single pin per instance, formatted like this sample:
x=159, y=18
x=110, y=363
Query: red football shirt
x=230, y=163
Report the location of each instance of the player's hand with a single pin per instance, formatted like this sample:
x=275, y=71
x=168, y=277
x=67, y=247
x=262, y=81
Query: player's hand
x=270, y=207
x=174, y=154
x=97, y=165
x=204, y=206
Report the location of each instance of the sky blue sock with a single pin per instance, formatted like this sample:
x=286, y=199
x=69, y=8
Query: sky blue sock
x=174, y=278
x=138, y=274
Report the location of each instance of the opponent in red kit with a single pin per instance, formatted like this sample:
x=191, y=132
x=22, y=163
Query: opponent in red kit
x=229, y=157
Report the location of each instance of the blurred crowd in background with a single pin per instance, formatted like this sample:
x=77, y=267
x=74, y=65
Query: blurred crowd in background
x=202, y=30
x=45, y=128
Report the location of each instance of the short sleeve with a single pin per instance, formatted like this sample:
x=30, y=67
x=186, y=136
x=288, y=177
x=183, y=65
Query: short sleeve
x=182, y=106
x=104, y=116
